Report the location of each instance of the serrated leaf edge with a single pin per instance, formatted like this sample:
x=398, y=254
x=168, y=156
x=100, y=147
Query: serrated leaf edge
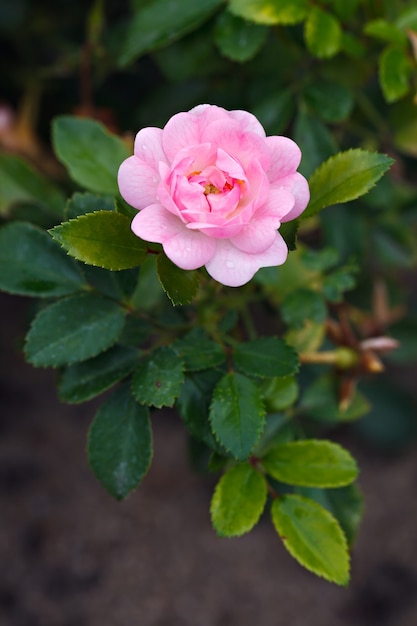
x=259, y=432
x=322, y=485
x=54, y=232
x=318, y=171
x=70, y=362
x=336, y=525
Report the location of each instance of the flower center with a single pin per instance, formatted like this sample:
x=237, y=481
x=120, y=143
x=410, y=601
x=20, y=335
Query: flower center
x=210, y=188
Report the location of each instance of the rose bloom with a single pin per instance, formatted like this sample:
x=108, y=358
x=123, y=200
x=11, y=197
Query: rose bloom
x=213, y=189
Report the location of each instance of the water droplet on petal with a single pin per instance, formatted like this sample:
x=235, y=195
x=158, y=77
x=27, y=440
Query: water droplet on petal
x=230, y=265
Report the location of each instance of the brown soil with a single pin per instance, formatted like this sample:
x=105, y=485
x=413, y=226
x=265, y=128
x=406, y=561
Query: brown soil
x=71, y=556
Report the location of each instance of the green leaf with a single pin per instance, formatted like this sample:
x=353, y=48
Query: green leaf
x=345, y=503
x=194, y=403
x=34, y=265
x=104, y=239
x=19, y=182
x=159, y=23
x=335, y=284
x=191, y=58
x=266, y=357
x=407, y=18
x=73, y=329
x=274, y=112
x=114, y=285
x=238, y=39
x=331, y=101
x=179, y=285
x=83, y=381
x=288, y=232
x=311, y=463
x=237, y=414
x=315, y=140
x=344, y=9
x=323, y=34
x=120, y=444
x=345, y=177
x=82, y=203
x=279, y=393
x=148, y=292
x=387, y=31
x=312, y=536
x=319, y=260
x=270, y=11
x=394, y=73
x=303, y=304
x=238, y=500
x=279, y=428
x=352, y=46
x=309, y=338
x=90, y=153
x=158, y=379
x=198, y=351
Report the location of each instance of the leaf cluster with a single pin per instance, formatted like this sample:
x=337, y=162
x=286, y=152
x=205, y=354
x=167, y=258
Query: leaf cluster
x=261, y=376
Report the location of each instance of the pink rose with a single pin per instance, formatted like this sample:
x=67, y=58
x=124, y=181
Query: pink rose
x=213, y=190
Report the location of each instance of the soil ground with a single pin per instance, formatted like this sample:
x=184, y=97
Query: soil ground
x=71, y=556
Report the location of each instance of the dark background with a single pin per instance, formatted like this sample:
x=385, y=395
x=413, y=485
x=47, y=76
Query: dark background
x=71, y=556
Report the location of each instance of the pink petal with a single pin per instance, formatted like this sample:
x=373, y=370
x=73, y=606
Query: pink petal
x=229, y=165
x=189, y=249
x=200, y=109
x=148, y=147
x=279, y=204
x=196, y=157
x=258, y=235
x=233, y=267
x=243, y=146
x=297, y=185
x=285, y=157
x=248, y=122
x=156, y=224
x=258, y=185
x=138, y=182
x=181, y=131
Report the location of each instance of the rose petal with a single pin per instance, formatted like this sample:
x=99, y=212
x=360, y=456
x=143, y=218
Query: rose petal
x=148, y=147
x=257, y=190
x=248, y=122
x=138, y=182
x=297, y=185
x=190, y=249
x=258, y=235
x=181, y=131
x=243, y=146
x=156, y=224
x=285, y=157
x=233, y=267
x=279, y=204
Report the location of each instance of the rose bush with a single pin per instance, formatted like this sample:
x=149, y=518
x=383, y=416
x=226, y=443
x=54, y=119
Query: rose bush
x=213, y=189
